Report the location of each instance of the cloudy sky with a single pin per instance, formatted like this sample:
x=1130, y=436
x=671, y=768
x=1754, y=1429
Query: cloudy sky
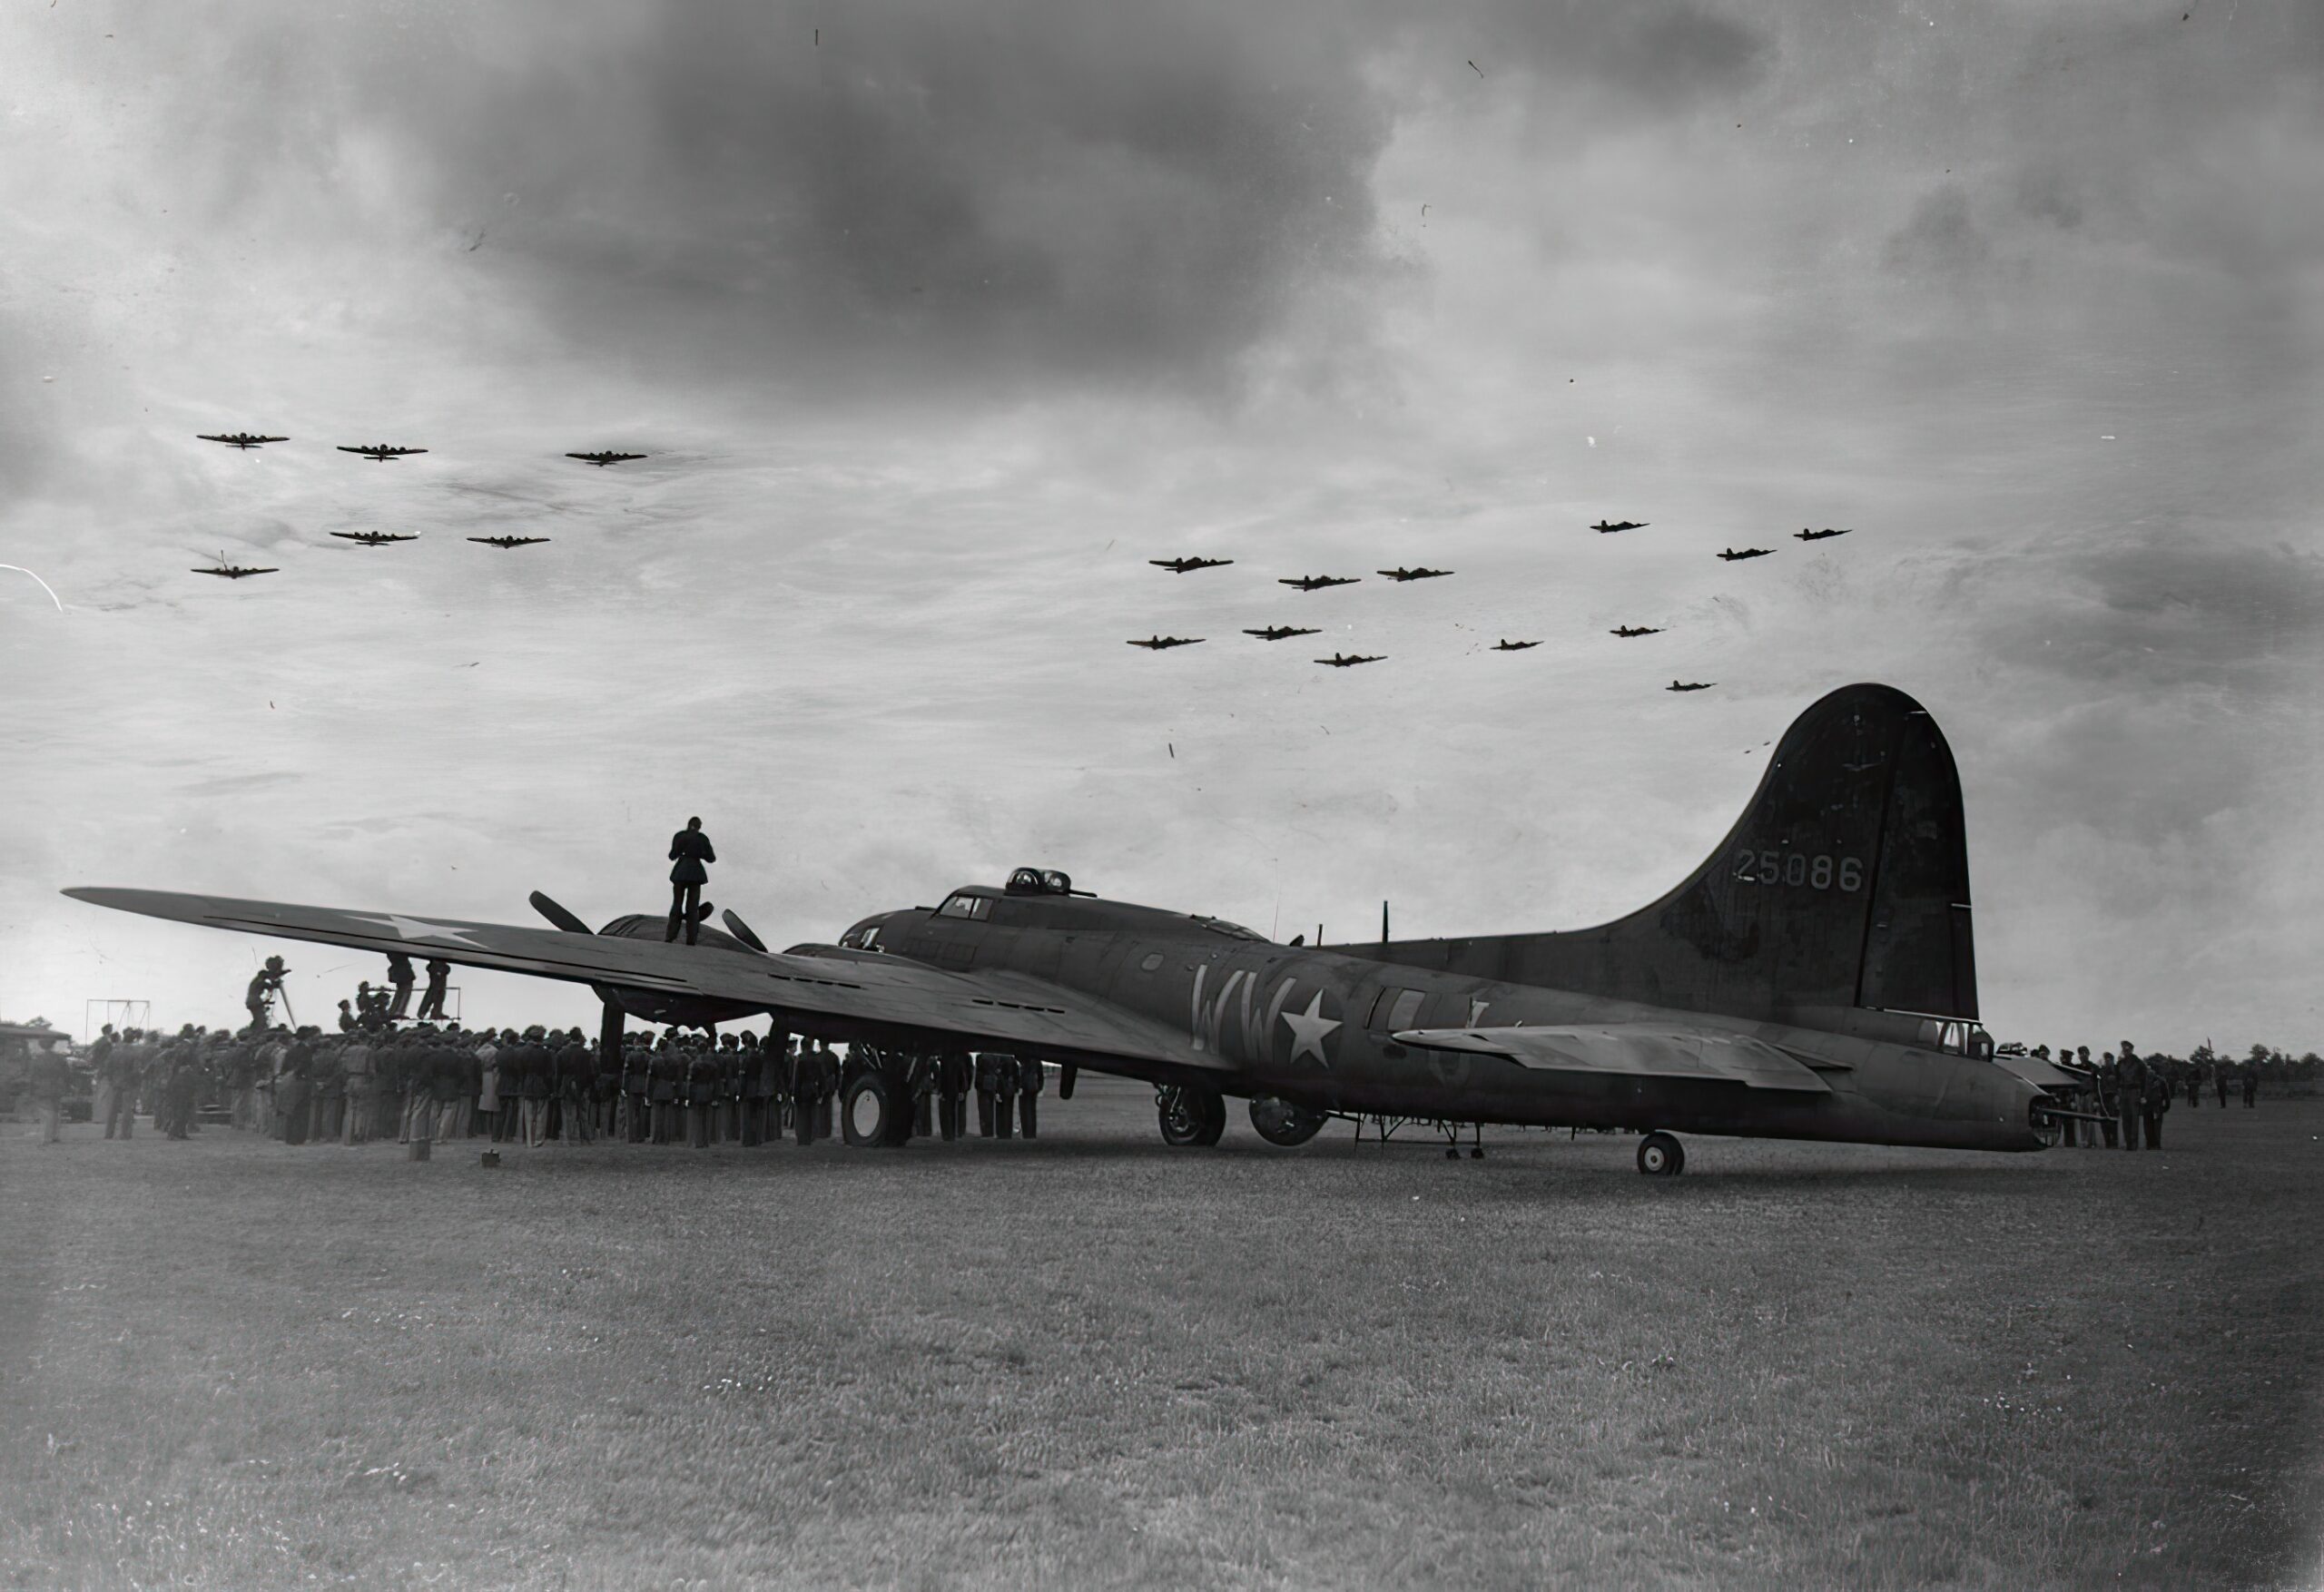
x=940, y=321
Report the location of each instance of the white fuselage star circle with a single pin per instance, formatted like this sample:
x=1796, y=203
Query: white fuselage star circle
x=1308, y=1030
x=419, y=928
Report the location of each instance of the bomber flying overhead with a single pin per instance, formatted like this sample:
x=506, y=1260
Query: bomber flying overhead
x=1281, y=632
x=1814, y=978
x=236, y=571
x=601, y=459
x=238, y=438
x=1405, y=575
x=373, y=538
x=1350, y=660
x=380, y=452
x=1317, y=582
x=1690, y=686
x=1732, y=555
x=1636, y=630
x=1181, y=565
x=1513, y=646
x=508, y=541
x=1160, y=644
x=1805, y=535
x=1620, y=524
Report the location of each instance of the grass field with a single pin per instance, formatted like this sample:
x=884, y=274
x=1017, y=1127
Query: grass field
x=1092, y=1361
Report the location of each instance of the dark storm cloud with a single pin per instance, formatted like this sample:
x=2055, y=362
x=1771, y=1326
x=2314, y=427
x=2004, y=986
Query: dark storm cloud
x=1020, y=188
x=1673, y=54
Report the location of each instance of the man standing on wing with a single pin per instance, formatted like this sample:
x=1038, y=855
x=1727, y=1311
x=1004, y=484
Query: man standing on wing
x=689, y=850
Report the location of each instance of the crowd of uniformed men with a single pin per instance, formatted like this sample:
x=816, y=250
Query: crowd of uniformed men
x=2125, y=1095
x=428, y=1082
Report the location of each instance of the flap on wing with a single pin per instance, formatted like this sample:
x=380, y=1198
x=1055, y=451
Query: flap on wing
x=1652, y=1050
x=1003, y=1010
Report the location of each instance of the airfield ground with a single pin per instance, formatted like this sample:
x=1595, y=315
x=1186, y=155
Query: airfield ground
x=1093, y=1361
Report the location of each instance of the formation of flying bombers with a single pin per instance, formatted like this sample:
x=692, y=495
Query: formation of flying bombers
x=382, y=453
x=1185, y=564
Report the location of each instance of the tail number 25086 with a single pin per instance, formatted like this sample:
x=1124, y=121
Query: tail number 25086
x=1797, y=868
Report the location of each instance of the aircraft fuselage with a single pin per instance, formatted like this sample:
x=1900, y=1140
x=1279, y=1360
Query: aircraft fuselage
x=1314, y=1026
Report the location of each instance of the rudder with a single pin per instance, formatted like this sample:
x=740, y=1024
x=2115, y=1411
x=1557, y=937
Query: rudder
x=1845, y=884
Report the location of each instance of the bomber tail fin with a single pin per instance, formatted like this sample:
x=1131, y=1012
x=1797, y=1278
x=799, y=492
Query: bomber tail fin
x=1845, y=884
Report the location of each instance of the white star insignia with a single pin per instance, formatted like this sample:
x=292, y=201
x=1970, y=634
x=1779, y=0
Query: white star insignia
x=418, y=928
x=1308, y=1030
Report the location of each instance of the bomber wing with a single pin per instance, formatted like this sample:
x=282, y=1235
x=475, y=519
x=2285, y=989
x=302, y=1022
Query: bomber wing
x=991, y=1007
x=1644, y=1050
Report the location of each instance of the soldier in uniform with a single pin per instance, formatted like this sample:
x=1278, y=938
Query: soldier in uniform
x=1028, y=1090
x=669, y=1082
x=689, y=850
x=432, y=1002
x=355, y=1068
x=576, y=1082
x=346, y=1018
x=2130, y=1090
x=701, y=1096
x=292, y=1093
x=953, y=1076
x=2250, y=1070
x=2218, y=1080
x=637, y=1087
x=117, y=1065
x=48, y=1077
x=399, y=974
x=330, y=1094
x=988, y=1080
x=2157, y=1101
x=1004, y=1097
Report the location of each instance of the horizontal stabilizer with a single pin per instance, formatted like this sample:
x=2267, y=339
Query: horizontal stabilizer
x=1646, y=1050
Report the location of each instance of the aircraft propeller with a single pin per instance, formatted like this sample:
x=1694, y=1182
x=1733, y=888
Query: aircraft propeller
x=742, y=931
x=558, y=915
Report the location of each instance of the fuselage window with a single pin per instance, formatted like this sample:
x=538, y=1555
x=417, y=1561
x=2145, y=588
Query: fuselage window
x=976, y=908
x=1153, y=960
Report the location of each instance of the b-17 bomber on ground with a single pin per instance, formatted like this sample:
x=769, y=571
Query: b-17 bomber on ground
x=601, y=459
x=1401, y=575
x=1733, y=554
x=1350, y=660
x=1162, y=643
x=1281, y=632
x=1690, y=686
x=1814, y=978
x=507, y=541
x=1620, y=524
x=1181, y=565
x=380, y=452
x=1805, y=535
x=236, y=571
x=1513, y=646
x=243, y=439
x=1317, y=582
x=373, y=538
x=1629, y=630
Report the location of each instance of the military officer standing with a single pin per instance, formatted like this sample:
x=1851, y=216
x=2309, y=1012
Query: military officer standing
x=952, y=1080
x=2130, y=1092
x=2156, y=1102
x=988, y=1080
x=689, y=850
x=399, y=974
x=1029, y=1091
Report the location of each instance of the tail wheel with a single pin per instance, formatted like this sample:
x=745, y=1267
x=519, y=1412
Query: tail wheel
x=1190, y=1115
x=1661, y=1155
x=1279, y=1122
x=869, y=1107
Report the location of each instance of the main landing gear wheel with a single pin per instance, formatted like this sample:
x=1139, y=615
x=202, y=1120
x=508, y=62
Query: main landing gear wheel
x=872, y=1110
x=1279, y=1122
x=1191, y=1115
x=1661, y=1155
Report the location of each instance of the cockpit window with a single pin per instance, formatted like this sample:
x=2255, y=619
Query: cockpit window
x=1955, y=1039
x=1231, y=930
x=975, y=908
